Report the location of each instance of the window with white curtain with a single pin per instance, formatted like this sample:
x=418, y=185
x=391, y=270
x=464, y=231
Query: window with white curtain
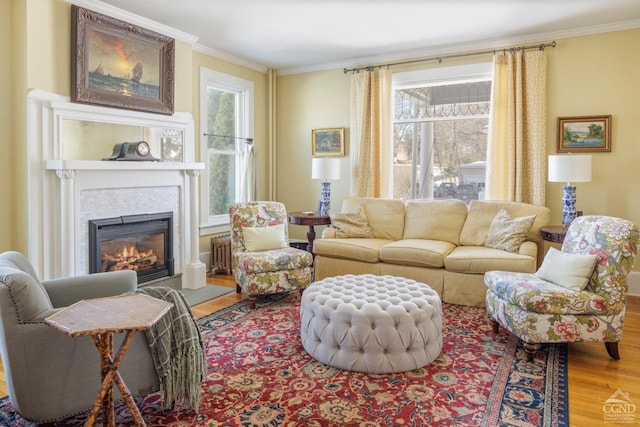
x=440, y=128
x=226, y=119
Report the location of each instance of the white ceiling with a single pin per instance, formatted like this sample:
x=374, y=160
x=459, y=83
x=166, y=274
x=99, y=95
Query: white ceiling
x=315, y=34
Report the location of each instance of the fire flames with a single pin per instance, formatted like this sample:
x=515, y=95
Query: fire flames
x=129, y=258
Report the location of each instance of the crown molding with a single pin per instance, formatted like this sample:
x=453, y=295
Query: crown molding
x=114, y=12
x=200, y=48
x=497, y=43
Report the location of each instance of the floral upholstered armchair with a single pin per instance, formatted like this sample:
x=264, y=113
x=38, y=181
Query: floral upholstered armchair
x=261, y=259
x=578, y=294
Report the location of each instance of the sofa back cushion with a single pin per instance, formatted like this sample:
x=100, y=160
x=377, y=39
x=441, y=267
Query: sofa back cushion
x=481, y=214
x=386, y=216
x=435, y=220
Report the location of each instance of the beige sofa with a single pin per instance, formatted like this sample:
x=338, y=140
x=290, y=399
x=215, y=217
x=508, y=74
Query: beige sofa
x=437, y=242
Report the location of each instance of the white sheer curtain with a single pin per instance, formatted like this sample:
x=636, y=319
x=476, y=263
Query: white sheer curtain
x=370, y=147
x=248, y=184
x=516, y=157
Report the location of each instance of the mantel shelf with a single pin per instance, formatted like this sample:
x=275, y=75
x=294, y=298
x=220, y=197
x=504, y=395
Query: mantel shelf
x=106, y=165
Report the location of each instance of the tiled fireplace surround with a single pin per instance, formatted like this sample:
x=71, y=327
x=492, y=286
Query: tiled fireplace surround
x=64, y=194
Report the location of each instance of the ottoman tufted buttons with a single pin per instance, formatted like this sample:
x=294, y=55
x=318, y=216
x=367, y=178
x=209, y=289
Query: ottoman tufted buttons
x=402, y=312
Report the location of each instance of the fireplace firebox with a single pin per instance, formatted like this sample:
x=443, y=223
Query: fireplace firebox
x=143, y=243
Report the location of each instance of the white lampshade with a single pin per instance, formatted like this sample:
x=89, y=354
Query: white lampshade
x=570, y=168
x=325, y=168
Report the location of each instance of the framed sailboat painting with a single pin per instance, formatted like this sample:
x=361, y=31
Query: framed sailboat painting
x=116, y=64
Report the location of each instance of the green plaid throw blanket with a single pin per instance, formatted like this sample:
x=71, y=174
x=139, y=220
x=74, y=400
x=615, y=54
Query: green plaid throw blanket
x=177, y=350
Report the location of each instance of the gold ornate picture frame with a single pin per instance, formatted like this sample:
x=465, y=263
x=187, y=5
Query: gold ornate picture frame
x=584, y=134
x=116, y=64
x=327, y=142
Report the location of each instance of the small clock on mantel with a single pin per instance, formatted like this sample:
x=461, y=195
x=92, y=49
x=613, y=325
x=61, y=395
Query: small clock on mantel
x=137, y=151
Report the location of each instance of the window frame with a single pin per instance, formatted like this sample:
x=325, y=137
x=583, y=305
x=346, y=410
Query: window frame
x=244, y=89
x=433, y=77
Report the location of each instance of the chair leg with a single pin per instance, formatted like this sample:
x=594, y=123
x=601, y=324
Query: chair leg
x=238, y=289
x=252, y=302
x=530, y=350
x=494, y=325
x=612, y=349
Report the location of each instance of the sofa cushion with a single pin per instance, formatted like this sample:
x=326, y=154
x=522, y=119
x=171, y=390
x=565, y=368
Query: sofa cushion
x=386, y=216
x=351, y=224
x=435, y=220
x=541, y=296
x=480, y=259
x=366, y=250
x=277, y=260
x=481, y=214
x=508, y=233
x=418, y=252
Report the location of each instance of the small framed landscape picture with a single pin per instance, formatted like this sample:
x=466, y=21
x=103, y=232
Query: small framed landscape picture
x=327, y=142
x=584, y=134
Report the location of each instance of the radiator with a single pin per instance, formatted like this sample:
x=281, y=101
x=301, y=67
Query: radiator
x=220, y=254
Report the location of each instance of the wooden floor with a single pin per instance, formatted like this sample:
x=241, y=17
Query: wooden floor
x=593, y=376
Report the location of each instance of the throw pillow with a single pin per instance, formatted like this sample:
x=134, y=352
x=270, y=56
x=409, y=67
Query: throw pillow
x=351, y=224
x=264, y=238
x=571, y=271
x=508, y=233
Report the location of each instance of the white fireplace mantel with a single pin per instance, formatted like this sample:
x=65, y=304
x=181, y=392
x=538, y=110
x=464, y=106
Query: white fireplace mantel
x=93, y=165
x=64, y=193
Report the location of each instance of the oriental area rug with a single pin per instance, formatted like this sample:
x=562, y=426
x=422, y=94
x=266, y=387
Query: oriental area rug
x=259, y=375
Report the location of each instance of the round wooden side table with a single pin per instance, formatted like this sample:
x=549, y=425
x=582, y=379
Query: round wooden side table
x=553, y=233
x=310, y=219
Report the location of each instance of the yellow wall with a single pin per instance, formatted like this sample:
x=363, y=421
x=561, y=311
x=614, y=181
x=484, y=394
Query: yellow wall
x=305, y=102
x=589, y=75
x=35, y=40
x=597, y=75
x=6, y=137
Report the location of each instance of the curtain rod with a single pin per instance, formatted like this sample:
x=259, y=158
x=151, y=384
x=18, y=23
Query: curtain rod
x=247, y=140
x=541, y=46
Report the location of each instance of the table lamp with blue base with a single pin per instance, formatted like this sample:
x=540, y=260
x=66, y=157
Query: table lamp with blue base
x=325, y=168
x=569, y=168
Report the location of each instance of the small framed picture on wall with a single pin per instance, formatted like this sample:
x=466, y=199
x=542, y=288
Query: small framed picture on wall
x=327, y=142
x=584, y=134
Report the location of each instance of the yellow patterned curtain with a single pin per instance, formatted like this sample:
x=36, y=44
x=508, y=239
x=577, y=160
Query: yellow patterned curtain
x=370, y=149
x=516, y=157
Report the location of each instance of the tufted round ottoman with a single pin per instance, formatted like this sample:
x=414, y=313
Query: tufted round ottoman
x=373, y=324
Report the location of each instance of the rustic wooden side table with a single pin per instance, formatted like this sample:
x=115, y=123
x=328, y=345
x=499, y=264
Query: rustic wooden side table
x=311, y=219
x=101, y=318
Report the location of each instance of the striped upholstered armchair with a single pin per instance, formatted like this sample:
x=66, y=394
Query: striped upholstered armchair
x=261, y=259
x=570, y=298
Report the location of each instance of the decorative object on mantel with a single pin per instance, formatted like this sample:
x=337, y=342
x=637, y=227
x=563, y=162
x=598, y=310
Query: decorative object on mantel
x=576, y=168
x=584, y=134
x=136, y=151
x=171, y=144
x=325, y=169
x=327, y=142
x=117, y=64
